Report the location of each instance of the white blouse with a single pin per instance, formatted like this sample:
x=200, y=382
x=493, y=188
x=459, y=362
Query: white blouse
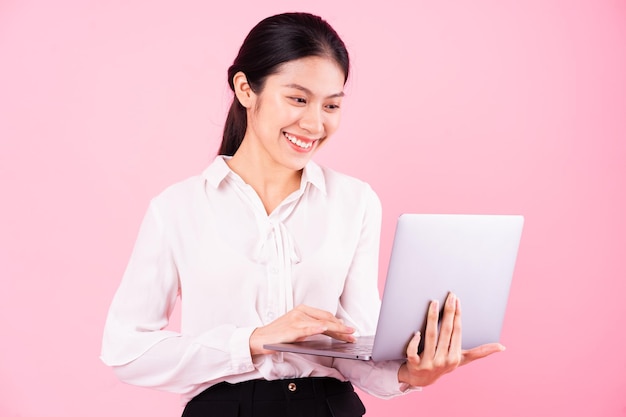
x=209, y=240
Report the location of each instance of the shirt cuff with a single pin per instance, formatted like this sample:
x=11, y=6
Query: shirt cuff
x=405, y=388
x=401, y=387
x=240, y=357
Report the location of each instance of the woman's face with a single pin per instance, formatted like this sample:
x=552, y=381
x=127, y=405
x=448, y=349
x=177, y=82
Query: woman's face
x=297, y=110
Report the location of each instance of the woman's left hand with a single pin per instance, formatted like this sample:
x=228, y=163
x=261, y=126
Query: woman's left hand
x=442, y=353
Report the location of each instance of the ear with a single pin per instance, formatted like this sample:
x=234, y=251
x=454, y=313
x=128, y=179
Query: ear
x=243, y=91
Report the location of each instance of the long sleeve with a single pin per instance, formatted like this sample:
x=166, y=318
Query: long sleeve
x=135, y=343
x=360, y=304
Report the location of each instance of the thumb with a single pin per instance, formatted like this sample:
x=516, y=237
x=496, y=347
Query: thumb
x=481, y=352
x=411, y=349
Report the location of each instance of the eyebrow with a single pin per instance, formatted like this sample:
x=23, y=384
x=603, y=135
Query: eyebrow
x=306, y=90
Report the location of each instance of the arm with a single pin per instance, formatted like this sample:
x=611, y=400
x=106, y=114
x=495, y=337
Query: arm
x=135, y=343
x=442, y=353
x=360, y=305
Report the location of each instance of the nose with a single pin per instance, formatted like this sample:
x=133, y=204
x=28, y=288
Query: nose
x=312, y=120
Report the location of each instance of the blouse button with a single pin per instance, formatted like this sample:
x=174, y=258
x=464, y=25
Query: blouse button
x=291, y=387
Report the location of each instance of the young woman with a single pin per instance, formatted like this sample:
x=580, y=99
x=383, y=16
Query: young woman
x=266, y=246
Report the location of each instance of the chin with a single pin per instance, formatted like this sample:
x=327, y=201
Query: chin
x=297, y=164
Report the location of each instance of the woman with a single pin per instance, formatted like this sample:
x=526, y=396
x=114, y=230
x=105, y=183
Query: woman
x=266, y=246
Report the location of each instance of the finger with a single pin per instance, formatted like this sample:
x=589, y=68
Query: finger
x=447, y=324
x=456, y=341
x=411, y=349
x=304, y=331
x=317, y=313
x=481, y=352
x=326, y=319
x=430, y=337
x=338, y=328
x=345, y=337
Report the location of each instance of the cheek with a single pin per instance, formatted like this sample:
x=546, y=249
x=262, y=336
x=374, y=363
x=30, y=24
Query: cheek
x=280, y=115
x=332, y=124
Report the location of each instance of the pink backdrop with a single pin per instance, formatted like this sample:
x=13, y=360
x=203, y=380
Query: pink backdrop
x=483, y=106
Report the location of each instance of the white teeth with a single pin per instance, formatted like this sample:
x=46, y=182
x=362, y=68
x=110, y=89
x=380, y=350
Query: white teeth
x=298, y=142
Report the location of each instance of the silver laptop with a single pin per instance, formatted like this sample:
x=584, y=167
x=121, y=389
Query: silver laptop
x=471, y=255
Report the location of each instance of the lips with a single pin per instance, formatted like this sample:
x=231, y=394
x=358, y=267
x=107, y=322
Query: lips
x=300, y=142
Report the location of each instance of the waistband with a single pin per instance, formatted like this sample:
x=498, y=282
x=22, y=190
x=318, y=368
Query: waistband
x=277, y=390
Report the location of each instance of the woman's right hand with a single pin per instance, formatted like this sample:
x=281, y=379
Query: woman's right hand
x=298, y=324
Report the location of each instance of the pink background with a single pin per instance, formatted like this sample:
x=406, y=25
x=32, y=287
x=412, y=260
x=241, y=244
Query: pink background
x=482, y=107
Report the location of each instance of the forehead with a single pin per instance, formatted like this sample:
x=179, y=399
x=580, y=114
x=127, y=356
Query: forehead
x=322, y=76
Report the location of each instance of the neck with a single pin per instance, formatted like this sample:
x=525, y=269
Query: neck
x=272, y=182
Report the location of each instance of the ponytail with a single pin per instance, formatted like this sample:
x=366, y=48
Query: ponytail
x=234, y=128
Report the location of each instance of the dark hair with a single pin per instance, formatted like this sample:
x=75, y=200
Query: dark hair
x=272, y=42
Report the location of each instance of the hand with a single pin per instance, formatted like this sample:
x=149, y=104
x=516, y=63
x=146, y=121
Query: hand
x=442, y=353
x=298, y=324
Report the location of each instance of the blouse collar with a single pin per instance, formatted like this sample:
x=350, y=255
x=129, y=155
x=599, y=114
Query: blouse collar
x=215, y=174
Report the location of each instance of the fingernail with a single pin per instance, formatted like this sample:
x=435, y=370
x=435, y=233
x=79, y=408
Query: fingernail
x=451, y=299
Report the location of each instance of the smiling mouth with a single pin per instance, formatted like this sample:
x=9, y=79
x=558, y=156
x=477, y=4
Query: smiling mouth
x=304, y=144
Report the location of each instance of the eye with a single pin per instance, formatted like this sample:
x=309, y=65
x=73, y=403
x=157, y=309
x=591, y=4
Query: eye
x=332, y=107
x=298, y=100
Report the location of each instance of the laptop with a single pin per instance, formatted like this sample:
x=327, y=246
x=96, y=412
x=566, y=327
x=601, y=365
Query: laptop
x=471, y=255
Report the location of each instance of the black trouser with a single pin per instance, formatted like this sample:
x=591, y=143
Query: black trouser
x=302, y=397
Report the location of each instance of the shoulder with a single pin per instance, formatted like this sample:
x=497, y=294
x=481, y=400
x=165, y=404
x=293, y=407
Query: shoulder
x=349, y=190
x=189, y=190
x=340, y=182
x=179, y=197
x=183, y=189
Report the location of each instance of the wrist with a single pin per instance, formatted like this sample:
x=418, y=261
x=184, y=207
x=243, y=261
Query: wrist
x=404, y=380
x=256, y=342
x=403, y=374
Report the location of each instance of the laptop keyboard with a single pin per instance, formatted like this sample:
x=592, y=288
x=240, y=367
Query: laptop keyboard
x=363, y=346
